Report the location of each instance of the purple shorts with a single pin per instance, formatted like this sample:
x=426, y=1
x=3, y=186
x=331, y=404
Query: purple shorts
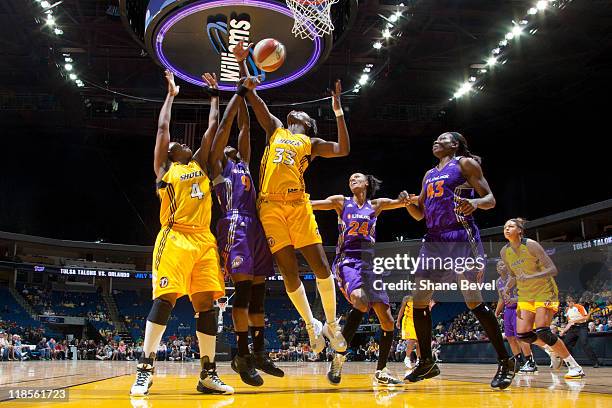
x=453, y=254
x=353, y=273
x=243, y=246
x=510, y=321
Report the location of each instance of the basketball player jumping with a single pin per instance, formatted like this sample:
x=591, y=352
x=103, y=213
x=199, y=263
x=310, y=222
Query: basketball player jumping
x=447, y=206
x=185, y=258
x=353, y=268
x=245, y=255
x=284, y=207
x=538, y=296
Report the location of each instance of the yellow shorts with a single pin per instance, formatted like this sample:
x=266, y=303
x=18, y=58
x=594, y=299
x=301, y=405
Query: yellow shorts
x=186, y=263
x=533, y=306
x=408, y=331
x=289, y=223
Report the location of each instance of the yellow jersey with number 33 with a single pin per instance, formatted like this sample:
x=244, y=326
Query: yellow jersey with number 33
x=283, y=165
x=186, y=203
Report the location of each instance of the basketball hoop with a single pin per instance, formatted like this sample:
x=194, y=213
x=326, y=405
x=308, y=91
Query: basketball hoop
x=222, y=305
x=312, y=18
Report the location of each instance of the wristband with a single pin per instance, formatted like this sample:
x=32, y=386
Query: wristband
x=242, y=90
x=339, y=112
x=212, y=92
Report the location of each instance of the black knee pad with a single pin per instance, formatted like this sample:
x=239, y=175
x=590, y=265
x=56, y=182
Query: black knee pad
x=160, y=312
x=258, y=297
x=546, y=335
x=242, y=294
x=528, y=337
x=206, y=322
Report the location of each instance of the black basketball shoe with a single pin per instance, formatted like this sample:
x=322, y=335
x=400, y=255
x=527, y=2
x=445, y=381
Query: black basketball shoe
x=262, y=361
x=426, y=368
x=244, y=366
x=505, y=374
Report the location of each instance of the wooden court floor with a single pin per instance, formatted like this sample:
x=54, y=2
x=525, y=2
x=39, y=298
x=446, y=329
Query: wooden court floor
x=106, y=384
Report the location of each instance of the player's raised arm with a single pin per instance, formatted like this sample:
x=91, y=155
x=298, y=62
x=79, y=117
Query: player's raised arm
x=244, y=135
x=222, y=136
x=472, y=171
x=241, y=53
x=342, y=147
x=334, y=202
x=160, y=159
x=266, y=120
x=201, y=155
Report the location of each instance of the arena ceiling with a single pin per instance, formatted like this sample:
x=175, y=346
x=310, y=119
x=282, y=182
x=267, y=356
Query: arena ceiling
x=433, y=46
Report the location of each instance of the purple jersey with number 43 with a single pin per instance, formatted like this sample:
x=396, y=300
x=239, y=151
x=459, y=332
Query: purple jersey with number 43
x=443, y=188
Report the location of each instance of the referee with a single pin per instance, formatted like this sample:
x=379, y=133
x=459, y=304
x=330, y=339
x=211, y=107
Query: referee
x=576, y=329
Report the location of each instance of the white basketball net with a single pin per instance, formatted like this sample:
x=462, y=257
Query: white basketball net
x=312, y=18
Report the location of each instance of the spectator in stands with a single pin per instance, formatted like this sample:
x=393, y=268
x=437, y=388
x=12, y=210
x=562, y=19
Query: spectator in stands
x=162, y=352
x=4, y=346
x=51, y=343
x=400, y=351
x=16, y=354
x=43, y=348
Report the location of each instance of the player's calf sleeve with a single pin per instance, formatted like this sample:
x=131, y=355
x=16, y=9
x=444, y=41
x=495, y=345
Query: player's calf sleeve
x=386, y=340
x=327, y=291
x=352, y=324
x=422, y=327
x=489, y=322
x=258, y=297
x=256, y=306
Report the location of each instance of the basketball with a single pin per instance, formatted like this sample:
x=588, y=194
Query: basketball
x=269, y=54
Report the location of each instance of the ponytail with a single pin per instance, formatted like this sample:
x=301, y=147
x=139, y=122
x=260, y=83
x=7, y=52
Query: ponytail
x=312, y=130
x=373, y=186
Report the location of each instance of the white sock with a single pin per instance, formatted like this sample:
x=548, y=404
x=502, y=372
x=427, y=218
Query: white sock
x=208, y=345
x=153, y=335
x=300, y=301
x=569, y=360
x=327, y=290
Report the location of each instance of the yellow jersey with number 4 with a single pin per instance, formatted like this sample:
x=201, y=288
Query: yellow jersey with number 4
x=283, y=165
x=186, y=203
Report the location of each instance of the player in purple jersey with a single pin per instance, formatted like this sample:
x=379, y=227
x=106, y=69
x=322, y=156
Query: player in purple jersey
x=353, y=267
x=506, y=304
x=447, y=203
x=245, y=254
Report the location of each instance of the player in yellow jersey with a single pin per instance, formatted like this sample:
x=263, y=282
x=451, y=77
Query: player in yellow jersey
x=285, y=211
x=406, y=324
x=185, y=258
x=538, y=300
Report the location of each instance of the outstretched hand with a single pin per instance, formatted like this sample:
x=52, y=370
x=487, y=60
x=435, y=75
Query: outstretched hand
x=251, y=82
x=211, y=80
x=336, y=93
x=408, y=198
x=240, y=51
x=173, y=89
